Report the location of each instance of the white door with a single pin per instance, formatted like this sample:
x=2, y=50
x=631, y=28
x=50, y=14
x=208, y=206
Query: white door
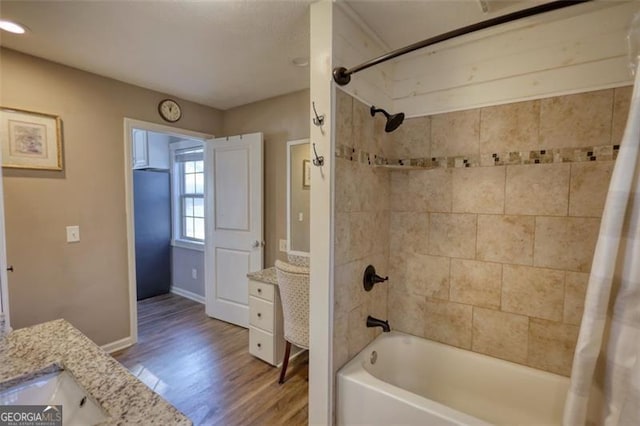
x=234, y=234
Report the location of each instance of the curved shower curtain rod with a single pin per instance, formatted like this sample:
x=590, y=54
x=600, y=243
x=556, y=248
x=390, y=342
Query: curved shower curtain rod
x=342, y=75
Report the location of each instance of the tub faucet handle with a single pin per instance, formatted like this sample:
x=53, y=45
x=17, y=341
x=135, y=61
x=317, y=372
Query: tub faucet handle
x=371, y=278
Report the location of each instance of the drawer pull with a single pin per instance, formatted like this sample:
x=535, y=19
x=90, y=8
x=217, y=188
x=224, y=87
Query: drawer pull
x=259, y=345
x=259, y=290
x=259, y=315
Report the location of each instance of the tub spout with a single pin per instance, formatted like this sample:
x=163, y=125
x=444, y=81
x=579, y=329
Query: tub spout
x=375, y=322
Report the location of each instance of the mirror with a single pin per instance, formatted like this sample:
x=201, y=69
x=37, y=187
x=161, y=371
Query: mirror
x=298, y=193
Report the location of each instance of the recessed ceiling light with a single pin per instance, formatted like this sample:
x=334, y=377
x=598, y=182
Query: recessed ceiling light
x=11, y=27
x=300, y=62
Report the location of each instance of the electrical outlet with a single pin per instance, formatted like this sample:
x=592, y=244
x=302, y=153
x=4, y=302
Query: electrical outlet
x=73, y=234
x=283, y=245
x=194, y=273
x=300, y=217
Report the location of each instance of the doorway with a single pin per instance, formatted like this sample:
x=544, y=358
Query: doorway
x=164, y=180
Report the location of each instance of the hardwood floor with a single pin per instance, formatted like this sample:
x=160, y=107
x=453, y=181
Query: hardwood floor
x=203, y=367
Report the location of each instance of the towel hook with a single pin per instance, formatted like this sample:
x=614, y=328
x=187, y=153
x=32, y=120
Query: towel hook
x=319, y=160
x=319, y=119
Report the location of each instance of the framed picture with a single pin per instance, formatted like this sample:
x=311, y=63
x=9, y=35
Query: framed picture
x=306, y=174
x=30, y=140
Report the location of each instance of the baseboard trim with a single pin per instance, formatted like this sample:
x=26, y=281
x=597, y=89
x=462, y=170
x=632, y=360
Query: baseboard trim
x=187, y=294
x=118, y=345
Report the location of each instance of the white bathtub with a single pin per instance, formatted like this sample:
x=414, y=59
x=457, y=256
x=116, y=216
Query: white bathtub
x=419, y=382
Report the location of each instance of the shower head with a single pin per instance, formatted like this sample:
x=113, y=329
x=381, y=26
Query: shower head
x=393, y=121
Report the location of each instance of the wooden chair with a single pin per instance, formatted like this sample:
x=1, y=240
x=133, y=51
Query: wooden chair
x=293, y=283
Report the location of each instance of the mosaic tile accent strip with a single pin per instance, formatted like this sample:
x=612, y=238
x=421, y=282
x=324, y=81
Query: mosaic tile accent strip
x=543, y=156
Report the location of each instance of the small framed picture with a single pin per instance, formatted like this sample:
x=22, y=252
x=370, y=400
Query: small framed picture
x=306, y=174
x=30, y=140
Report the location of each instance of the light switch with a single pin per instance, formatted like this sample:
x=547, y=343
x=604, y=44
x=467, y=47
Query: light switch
x=73, y=234
x=300, y=217
x=283, y=245
x=194, y=273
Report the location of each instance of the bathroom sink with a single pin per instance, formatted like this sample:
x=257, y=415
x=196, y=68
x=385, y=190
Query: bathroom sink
x=55, y=388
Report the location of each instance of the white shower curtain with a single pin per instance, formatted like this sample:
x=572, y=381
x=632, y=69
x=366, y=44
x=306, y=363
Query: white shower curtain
x=605, y=380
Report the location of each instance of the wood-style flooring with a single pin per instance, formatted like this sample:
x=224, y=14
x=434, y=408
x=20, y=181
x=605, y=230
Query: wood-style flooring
x=203, y=367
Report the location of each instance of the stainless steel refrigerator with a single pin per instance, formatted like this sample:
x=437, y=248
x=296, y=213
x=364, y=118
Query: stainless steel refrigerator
x=152, y=207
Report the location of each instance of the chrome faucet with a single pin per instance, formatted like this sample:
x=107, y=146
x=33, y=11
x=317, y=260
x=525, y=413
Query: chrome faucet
x=375, y=322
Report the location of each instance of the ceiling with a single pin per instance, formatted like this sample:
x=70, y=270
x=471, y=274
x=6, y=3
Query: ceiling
x=221, y=53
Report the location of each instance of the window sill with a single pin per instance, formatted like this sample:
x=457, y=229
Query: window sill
x=189, y=245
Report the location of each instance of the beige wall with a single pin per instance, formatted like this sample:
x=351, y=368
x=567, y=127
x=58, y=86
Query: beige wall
x=281, y=119
x=493, y=230
x=86, y=283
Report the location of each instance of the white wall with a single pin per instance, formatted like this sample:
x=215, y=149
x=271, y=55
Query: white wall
x=577, y=49
x=354, y=43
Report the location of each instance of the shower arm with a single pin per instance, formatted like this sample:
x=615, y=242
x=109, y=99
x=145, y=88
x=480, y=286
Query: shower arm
x=342, y=75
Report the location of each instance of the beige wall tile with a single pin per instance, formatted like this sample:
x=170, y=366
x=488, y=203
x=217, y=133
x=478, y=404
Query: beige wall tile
x=344, y=118
x=421, y=190
x=406, y=313
x=573, y=121
x=500, y=334
x=347, y=199
x=340, y=340
x=538, y=189
x=383, y=141
x=621, y=105
x=409, y=232
x=348, y=289
x=574, y=295
x=565, y=242
x=363, y=128
x=507, y=239
x=511, y=127
x=429, y=275
x=412, y=139
x=476, y=283
x=478, y=190
x=452, y=235
x=448, y=323
x=551, y=346
x=588, y=188
x=534, y=292
x=358, y=334
x=342, y=240
x=455, y=133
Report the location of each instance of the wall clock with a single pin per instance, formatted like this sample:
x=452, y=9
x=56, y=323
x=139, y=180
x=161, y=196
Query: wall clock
x=170, y=110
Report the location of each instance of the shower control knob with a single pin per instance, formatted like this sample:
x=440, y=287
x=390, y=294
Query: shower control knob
x=370, y=278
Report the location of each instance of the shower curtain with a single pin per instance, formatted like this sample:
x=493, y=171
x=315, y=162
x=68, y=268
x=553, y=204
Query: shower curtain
x=605, y=380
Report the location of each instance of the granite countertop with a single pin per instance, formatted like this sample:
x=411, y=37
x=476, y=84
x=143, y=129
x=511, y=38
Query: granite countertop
x=125, y=399
x=268, y=276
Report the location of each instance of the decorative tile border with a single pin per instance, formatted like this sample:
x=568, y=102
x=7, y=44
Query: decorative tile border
x=543, y=156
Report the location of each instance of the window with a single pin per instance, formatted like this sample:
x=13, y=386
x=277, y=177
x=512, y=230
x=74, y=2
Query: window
x=189, y=169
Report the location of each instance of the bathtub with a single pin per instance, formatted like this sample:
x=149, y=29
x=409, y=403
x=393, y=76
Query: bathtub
x=402, y=379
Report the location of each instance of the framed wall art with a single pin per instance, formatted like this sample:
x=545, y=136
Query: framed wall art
x=30, y=140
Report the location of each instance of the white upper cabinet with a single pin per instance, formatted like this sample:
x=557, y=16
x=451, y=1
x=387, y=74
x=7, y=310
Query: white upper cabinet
x=150, y=150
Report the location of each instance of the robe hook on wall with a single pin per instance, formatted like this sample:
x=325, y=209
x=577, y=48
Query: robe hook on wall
x=318, y=160
x=319, y=119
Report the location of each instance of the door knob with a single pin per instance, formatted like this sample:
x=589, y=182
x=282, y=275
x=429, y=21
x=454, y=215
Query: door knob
x=257, y=244
x=10, y=268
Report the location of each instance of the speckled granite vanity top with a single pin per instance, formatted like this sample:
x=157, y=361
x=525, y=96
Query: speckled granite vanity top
x=126, y=400
x=268, y=276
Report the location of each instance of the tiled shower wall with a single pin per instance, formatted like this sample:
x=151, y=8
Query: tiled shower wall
x=361, y=227
x=492, y=235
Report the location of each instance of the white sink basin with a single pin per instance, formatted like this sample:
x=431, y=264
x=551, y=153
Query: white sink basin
x=57, y=388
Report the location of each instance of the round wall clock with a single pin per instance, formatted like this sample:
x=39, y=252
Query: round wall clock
x=169, y=110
